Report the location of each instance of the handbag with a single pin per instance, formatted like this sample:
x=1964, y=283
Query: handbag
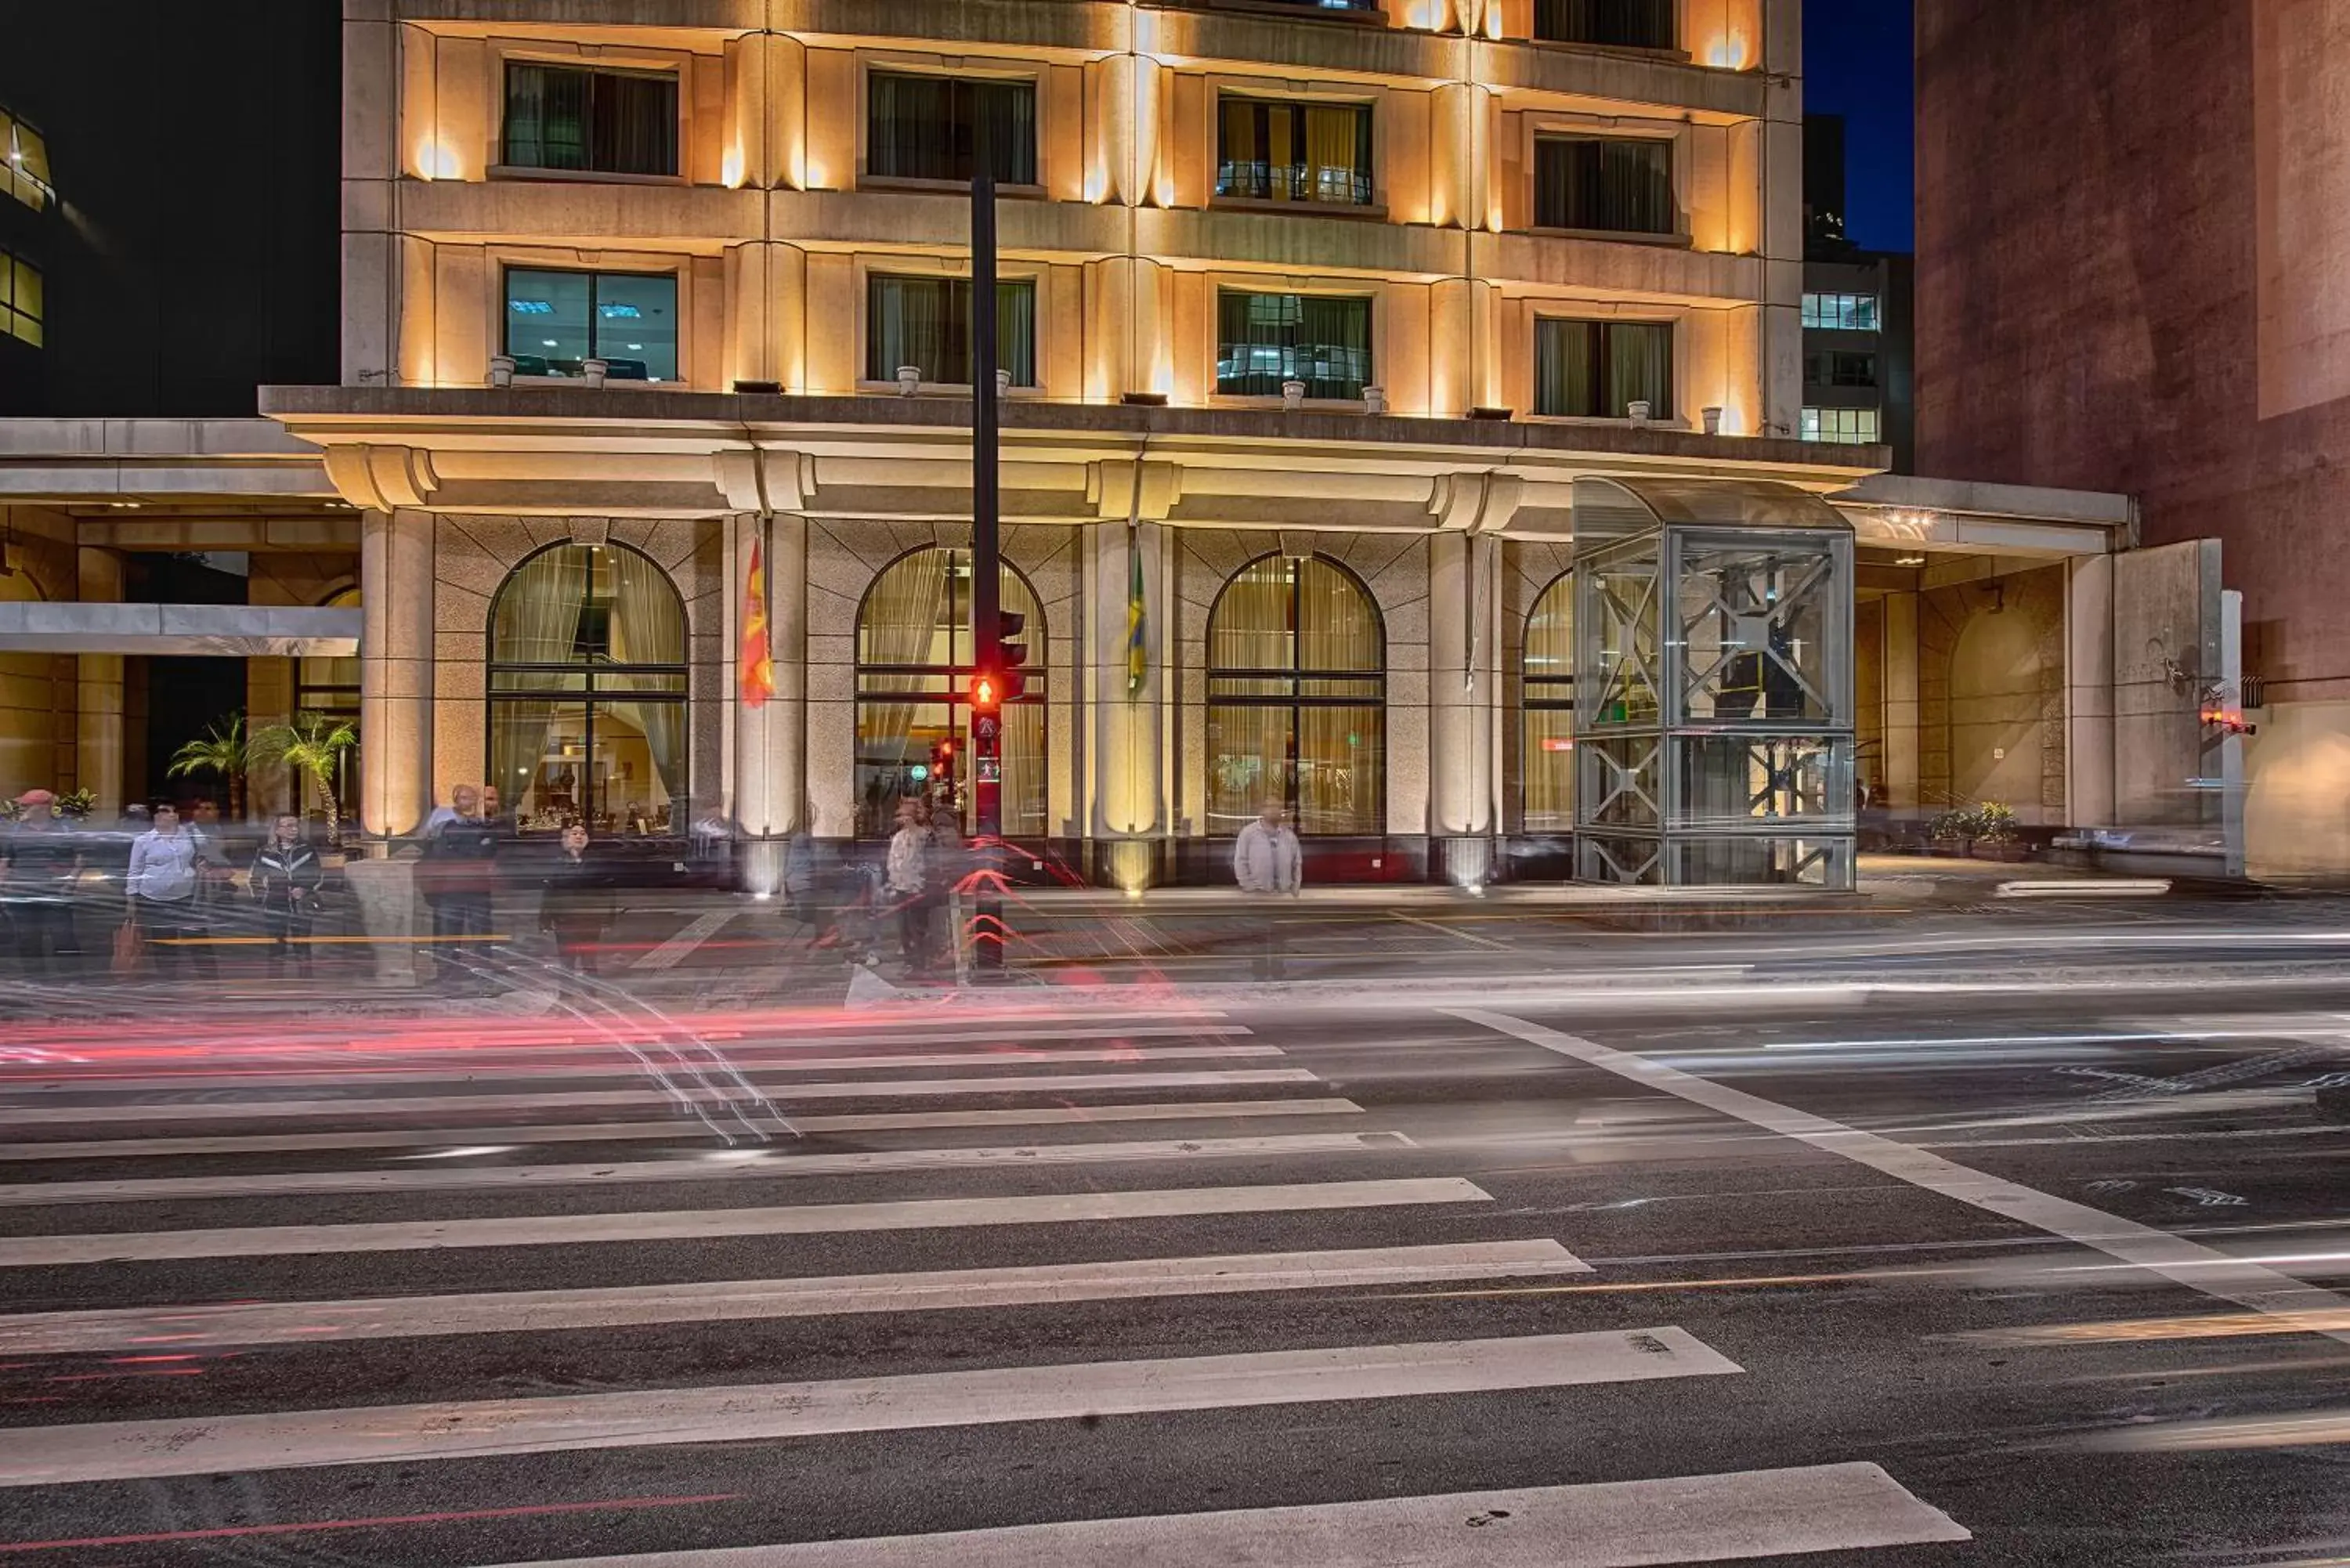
x=129, y=951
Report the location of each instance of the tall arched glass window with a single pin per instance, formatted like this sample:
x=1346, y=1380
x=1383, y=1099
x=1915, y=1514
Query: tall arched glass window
x=1297, y=697
x=328, y=686
x=588, y=684
x=913, y=669
x=1547, y=707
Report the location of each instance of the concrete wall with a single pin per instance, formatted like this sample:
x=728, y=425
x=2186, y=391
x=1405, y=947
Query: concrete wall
x=1990, y=666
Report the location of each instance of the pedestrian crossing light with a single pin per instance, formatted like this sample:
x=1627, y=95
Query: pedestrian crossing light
x=984, y=693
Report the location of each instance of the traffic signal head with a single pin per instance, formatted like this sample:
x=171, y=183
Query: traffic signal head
x=1009, y=625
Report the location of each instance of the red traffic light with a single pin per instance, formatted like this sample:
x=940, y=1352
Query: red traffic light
x=984, y=692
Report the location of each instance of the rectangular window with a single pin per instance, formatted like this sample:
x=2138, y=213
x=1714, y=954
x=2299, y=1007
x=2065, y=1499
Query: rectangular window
x=1616, y=24
x=929, y=128
x=24, y=162
x=1852, y=369
x=1294, y=151
x=1840, y=312
x=556, y=321
x=1598, y=370
x=926, y=322
x=1842, y=427
x=1618, y=184
x=20, y=300
x=603, y=123
x=1264, y=339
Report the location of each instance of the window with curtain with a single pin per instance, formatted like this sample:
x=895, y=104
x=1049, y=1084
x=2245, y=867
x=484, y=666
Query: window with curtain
x=1294, y=151
x=1598, y=370
x=1612, y=184
x=926, y=321
x=556, y=321
x=328, y=686
x=1547, y=711
x=587, y=693
x=929, y=128
x=1615, y=24
x=594, y=122
x=914, y=667
x=1264, y=339
x=1297, y=699
x=20, y=300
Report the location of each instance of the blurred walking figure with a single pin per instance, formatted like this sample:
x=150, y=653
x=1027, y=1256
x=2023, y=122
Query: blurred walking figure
x=459, y=874
x=1269, y=865
x=285, y=879
x=167, y=865
x=907, y=881
x=577, y=901
x=43, y=870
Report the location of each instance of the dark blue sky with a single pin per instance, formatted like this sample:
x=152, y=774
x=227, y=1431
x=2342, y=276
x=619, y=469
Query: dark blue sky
x=1856, y=63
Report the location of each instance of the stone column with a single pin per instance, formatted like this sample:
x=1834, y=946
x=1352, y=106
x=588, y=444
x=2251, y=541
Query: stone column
x=1464, y=579
x=98, y=729
x=1125, y=741
x=1901, y=708
x=2089, y=692
x=770, y=740
x=395, y=671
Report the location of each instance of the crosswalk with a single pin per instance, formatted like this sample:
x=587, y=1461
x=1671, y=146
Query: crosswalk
x=332, y=1216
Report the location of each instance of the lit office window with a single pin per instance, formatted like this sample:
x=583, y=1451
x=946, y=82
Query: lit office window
x=24, y=162
x=1846, y=427
x=1598, y=370
x=604, y=123
x=1840, y=312
x=1264, y=339
x=926, y=322
x=928, y=127
x=1616, y=24
x=556, y=321
x=1615, y=184
x=20, y=300
x=1294, y=151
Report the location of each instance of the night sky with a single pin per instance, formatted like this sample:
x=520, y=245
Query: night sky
x=1856, y=63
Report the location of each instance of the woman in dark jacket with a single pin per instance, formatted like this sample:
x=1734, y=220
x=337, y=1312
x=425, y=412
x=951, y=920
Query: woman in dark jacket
x=577, y=901
x=285, y=879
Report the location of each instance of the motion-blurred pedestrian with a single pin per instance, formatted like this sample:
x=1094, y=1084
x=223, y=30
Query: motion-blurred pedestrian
x=905, y=882
x=459, y=874
x=285, y=881
x=576, y=900
x=166, y=867
x=43, y=869
x=1270, y=866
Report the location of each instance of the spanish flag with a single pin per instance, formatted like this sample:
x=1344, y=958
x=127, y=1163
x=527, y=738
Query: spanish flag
x=1137, y=647
x=758, y=664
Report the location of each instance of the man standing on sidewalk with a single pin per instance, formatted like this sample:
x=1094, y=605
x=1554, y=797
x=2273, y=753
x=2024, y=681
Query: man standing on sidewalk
x=907, y=884
x=1270, y=866
x=459, y=872
x=44, y=866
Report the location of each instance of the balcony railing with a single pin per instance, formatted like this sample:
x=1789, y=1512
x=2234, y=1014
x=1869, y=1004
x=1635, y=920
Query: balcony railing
x=1266, y=181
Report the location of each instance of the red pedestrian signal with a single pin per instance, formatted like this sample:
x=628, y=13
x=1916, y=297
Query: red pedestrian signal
x=984, y=693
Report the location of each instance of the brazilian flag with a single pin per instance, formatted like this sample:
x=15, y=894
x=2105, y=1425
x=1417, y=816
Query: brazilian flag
x=1138, y=652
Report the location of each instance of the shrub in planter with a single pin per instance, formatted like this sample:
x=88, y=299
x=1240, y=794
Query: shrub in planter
x=1948, y=833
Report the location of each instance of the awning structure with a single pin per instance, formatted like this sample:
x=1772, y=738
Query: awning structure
x=238, y=631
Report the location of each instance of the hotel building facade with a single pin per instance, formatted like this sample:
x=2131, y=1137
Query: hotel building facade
x=1321, y=326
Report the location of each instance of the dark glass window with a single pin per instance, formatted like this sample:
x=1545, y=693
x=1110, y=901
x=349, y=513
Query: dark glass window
x=928, y=127
x=1617, y=184
x=926, y=321
x=1598, y=370
x=556, y=321
x=1851, y=369
x=604, y=123
x=1618, y=24
x=1294, y=151
x=1264, y=339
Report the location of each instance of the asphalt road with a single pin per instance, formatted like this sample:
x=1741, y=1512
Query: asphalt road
x=2030, y=1264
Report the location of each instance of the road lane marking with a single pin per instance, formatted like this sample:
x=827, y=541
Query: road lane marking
x=719, y=1165
x=402, y=1434
x=2173, y=1257
x=1443, y=929
x=699, y=1224
x=184, y=1327
x=668, y=954
x=1603, y=1524
x=598, y=1132
x=842, y=1089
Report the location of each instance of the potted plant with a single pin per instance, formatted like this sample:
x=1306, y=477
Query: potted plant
x=313, y=748
x=1995, y=835
x=1947, y=833
x=223, y=750
x=76, y=804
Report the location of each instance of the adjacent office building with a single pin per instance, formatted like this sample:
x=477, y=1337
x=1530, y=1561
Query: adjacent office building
x=1856, y=315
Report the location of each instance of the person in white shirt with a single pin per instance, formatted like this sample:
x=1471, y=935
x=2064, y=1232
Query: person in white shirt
x=907, y=881
x=161, y=888
x=1269, y=864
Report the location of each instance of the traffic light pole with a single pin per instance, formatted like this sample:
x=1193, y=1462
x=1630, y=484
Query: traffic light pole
x=987, y=561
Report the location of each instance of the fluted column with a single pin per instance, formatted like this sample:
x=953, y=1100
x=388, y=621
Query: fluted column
x=395, y=671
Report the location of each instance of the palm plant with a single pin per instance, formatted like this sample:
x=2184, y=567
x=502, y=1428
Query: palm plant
x=221, y=750
x=312, y=747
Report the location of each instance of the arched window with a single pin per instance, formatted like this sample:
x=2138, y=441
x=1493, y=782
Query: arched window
x=1546, y=706
x=587, y=683
x=328, y=685
x=913, y=670
x=1297, y=697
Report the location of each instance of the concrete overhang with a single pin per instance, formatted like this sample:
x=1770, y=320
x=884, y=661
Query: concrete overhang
x=644, y=451
x=1932, y=515
x=67, y=461
x=242, y=631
